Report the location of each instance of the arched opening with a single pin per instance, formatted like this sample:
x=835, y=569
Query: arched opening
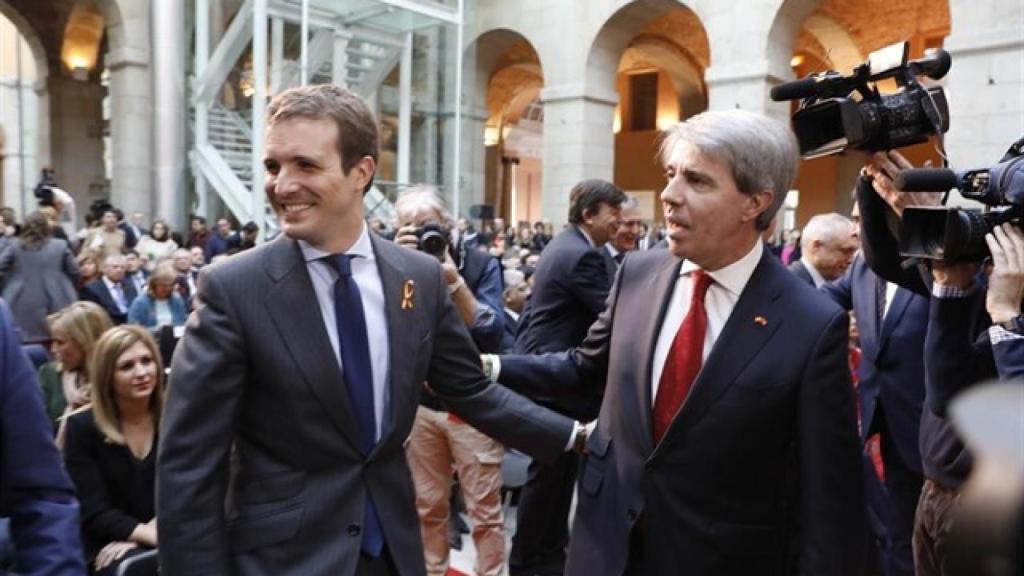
x=508, y=81
x=837, y=35
x=659, y=78
x=22, y=66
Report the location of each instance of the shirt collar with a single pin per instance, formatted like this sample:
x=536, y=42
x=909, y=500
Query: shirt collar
x=110, y=284
x=611, y=249
x=735, y=276
x=815, y=275
x=587, y=237
x=363, y=247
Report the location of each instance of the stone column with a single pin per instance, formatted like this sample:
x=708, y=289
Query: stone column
x=76, y=131
x=131, y=120
x=169, y=109
x=578, y=143
x=985, y=86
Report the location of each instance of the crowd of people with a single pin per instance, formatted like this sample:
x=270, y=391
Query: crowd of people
x=716, y=394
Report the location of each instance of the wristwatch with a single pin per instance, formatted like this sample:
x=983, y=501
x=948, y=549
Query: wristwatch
x=1015, y=324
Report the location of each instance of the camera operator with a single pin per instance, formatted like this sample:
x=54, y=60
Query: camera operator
x=438, y=439
x=973, y=331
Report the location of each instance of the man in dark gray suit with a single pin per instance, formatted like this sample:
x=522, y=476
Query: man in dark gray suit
x=727, y=442
x=299, y=375
x=828, y=243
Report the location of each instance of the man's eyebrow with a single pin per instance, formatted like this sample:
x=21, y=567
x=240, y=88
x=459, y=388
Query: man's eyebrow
x=692, y=174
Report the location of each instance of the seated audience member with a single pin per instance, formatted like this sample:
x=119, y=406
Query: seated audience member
x=186, y=275
x=828, y=244
x=198, y=258
x=88, y=270
x=244, y=238
x=35, y=493
x=107, y=238
x=159, y=305
x=111, y=291
x=111, y=448
x=37, y=274
x=134, y=271
x=219, y=241
x=156, y=246
x=65, y=381
x=515, y=294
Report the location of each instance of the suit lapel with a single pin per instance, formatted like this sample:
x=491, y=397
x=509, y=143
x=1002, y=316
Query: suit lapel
x=302, y=330
x=742, y=338
x=900, y=301
x=389, y=266
x=662, y=282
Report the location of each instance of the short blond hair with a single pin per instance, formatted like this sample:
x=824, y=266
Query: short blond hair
x=105, y=356
x=164, y=272
x=83, y=322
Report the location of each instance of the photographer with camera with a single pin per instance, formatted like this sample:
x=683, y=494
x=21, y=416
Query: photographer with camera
x=440, y=443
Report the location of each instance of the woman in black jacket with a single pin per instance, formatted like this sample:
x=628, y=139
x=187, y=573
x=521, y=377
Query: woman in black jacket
x=110, y=449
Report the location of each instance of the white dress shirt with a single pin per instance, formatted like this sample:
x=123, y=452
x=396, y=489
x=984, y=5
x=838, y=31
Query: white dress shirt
x=371, y=291
x=724, y=292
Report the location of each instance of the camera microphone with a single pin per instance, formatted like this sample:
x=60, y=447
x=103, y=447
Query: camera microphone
x=926, y=180
x=797, y=89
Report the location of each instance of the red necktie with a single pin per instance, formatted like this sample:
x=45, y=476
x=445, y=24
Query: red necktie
x=684, y=359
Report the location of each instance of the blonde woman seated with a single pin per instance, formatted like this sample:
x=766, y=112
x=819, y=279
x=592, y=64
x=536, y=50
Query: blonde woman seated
x=160, y=305
x=111, y=448
x=65, y=381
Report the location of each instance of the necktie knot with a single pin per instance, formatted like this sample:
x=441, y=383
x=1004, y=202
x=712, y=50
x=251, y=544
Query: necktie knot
x=701, y=282
x=341, y=263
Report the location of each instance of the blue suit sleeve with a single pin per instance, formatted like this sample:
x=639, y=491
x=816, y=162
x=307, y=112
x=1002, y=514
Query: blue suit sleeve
x=34, y=491
x=1009, y=358
x=489, y=327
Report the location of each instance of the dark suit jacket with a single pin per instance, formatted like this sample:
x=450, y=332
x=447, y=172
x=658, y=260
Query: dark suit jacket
x=570, y=287
x=35, y=493
x=773, y=406
x=255, y=380
x=892, y=367
x=797, y=267
x=511, y=325
x=96, y=291
x=116, y=490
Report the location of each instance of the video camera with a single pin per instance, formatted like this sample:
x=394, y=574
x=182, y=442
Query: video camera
x=958, y=234
x=839, y=112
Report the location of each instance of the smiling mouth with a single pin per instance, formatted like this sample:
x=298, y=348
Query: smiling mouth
x=295, y=208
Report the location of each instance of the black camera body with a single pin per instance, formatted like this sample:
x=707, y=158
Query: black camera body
x=839, y=112
x=958, y=234
x=433, y=239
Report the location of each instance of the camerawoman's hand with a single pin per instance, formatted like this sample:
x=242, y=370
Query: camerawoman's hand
x=1006, y=285
x=883, y=168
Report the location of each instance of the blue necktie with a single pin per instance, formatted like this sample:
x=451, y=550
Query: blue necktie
x=354, y=342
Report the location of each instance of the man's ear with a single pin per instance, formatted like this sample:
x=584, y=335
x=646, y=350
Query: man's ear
x=363, y=172
x=757, y=203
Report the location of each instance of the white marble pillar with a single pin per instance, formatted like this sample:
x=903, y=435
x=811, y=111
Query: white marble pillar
x=169, y=109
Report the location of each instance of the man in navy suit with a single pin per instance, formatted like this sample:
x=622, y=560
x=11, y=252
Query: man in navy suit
x=569, y=291
x=35, y=493
x=828, y=245
x=514, y=296
x=726, y=443
x=111, y=291
x=891, y=322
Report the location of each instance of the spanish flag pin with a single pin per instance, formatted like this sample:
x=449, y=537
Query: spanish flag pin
x=760, y=321
x=407, y=292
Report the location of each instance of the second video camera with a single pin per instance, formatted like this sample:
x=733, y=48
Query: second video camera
x=839, y=112
x=954, y=233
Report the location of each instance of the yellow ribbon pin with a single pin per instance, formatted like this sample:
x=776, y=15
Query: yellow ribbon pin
x=760, y=321
x=407, y=292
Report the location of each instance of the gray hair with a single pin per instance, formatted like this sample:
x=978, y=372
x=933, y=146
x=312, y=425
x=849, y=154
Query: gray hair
x=422, y=197
x=630, y=203
x=513, y=279
x=828, y=228
x=761, y=151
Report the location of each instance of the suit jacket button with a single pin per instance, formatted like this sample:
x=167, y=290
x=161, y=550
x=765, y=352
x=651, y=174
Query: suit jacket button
x=354, y=530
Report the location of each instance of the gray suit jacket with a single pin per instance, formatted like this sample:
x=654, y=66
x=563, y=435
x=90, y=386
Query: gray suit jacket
x=256, y=382
x=37, y=283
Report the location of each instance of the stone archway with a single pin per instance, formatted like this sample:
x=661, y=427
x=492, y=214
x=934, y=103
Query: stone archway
x=26, y=145
x=505, y=74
